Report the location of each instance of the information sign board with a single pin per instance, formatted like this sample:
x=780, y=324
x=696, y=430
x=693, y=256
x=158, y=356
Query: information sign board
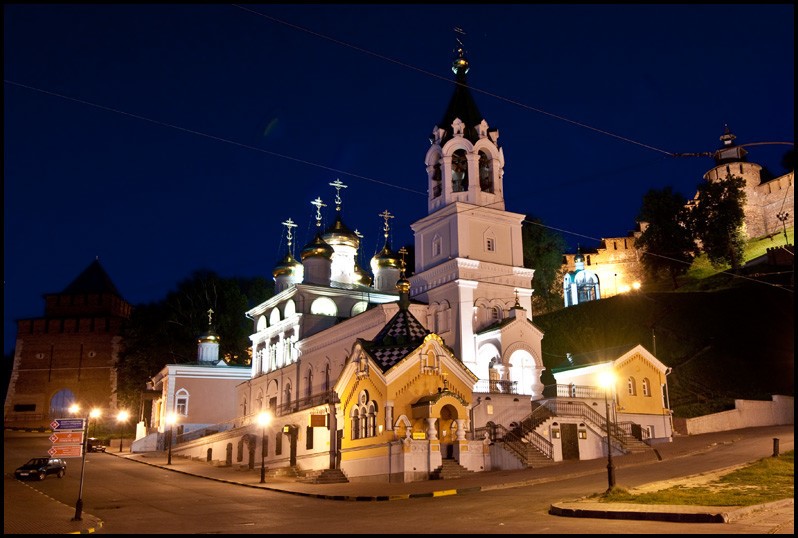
x=66, y=438
x=67, y=424
x=66, y=451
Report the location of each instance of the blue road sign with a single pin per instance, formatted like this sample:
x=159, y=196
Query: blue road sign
x=60, y=424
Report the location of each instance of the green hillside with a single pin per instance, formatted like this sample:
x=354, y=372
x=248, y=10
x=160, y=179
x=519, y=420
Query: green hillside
x=733, y=342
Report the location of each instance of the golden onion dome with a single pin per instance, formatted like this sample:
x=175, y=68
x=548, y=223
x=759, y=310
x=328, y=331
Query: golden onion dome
x=318, y=248
x=386, y=258
x=339, y=234
x=286, y=267
x=362, y=277
x=403, y=285
x=209, y=337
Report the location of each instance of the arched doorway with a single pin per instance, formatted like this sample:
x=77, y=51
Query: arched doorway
x=446, y=430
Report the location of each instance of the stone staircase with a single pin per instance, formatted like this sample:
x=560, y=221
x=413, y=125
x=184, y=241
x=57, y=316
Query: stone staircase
x=284, y=472
x=449, y=469
x=326, y=476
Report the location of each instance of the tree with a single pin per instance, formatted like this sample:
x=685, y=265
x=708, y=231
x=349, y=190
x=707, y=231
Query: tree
x=543, y=252
x=667, y=241
x=718, y=217
x=166, y=332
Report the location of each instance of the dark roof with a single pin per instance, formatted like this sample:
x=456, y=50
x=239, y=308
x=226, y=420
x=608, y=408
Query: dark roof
x=461, y=105
x=401, y=335
x=93, y=279
x=594, y=357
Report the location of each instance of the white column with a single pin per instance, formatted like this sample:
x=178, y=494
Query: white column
x=432, y=433
x=460, y=432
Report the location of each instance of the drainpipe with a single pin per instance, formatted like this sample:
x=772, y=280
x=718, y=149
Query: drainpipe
x=471, y=412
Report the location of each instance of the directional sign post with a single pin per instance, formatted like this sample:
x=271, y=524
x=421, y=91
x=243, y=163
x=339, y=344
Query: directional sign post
x=66, y=451
x=63, y=424
x=66, y=438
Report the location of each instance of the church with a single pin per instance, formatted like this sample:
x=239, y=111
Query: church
x=395, y=377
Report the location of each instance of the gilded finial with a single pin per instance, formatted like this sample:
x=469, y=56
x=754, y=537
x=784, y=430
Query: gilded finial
x=386, y=227
x=210, y=317
x=319, y=204
x=288, y=234
x=338, y=186
x=402, y=252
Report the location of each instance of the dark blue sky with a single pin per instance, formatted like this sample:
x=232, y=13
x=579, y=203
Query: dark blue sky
x=169, y=138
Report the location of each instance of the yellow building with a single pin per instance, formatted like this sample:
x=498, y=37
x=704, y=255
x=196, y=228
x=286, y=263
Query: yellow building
x=623, y=390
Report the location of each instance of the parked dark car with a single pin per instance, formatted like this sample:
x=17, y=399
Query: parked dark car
x=94, y=445
x=39, y=468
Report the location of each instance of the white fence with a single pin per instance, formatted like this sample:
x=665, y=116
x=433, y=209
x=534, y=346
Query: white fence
x=746, y=414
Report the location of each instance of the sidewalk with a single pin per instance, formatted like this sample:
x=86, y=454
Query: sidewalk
x=777, y=515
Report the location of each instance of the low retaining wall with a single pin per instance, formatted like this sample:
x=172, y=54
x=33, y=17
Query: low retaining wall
x=746, y=414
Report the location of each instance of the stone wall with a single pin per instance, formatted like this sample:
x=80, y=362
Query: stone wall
x=746, y=414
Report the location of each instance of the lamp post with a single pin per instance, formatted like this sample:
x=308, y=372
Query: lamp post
x=170, y=421
x=783, y=216
x=607, y=380
x=121, y=418
x=94, y=413
x=263, y=419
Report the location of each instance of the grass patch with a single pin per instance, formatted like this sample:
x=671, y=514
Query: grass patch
x=769, y=479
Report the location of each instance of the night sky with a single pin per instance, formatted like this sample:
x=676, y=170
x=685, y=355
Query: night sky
x=163, y=139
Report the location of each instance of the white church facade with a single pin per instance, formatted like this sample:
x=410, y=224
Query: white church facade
x=385, y=376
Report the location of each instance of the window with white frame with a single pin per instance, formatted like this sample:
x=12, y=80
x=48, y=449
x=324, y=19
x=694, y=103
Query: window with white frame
x=437, y=246
x=631, y=386
x=363, y=417
x=646, y=387
x=181, y=402
x=324, y=306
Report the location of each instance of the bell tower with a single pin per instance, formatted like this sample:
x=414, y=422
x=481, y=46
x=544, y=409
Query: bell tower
x=469, y=251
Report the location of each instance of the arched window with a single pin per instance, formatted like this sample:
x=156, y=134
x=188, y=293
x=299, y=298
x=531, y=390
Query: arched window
x=459, y=171
x=309, y=388
x=364, y=417
x=181, y=402
x=485, y=172
x=287, y=395
x=631, y=386
x=327, y=378
x=437, y=246
x=646, y=387
x=60, y=402
x=274, y=317
x=372, y=419
x=359, y=308
x=436, y=179
x=495, y=314
x=355, y=418
x=324, y=306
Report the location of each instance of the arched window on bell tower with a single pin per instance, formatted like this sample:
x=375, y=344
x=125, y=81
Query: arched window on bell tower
x=485, y=172
x=459, y=171
x=437, y=184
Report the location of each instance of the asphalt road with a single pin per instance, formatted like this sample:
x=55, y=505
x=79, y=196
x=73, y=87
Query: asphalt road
x=131, y=498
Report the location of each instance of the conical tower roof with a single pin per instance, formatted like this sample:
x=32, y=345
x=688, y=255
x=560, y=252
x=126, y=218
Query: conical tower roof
x=93, y=279
x=461, y=104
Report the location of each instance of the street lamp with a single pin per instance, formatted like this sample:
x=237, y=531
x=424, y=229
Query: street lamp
x=171, y=418
x=783, y=216
x=121, y=418
x=607, y=380
x=263, y=419
x=94, y=413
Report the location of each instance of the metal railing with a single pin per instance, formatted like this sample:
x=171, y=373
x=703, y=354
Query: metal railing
x=496, y=386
